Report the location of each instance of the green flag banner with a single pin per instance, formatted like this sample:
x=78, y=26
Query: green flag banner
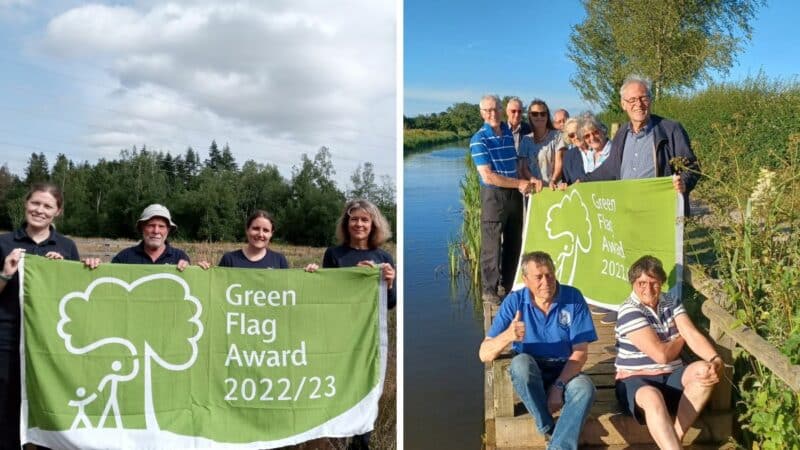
x=138, y=356
x=595, y=231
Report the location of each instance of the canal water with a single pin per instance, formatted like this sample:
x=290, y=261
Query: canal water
x=443, y=378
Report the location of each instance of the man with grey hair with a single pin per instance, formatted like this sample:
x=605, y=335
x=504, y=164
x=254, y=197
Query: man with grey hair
x=495, y=158
x=155, y=224
x=648, y=145
x=549, y=328
x=559, y=117
x=515, y=113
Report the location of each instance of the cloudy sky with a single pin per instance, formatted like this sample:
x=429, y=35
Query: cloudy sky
x=271, y=79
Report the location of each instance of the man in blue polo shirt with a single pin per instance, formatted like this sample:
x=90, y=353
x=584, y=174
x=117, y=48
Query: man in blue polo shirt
x=155, y=225
x=495, y=157
x=550, y=327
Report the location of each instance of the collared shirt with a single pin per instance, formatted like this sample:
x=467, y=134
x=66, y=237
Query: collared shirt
x=497, y=152
x=520, y=130
x=9, y=296
x=137, y=255
x=589, y=161
x=637, y=156
x=552, y=335
x=634, y=315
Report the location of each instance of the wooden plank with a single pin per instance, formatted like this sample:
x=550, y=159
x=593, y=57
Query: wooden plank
x=757, y=346
x=763, y=351
x=609, y=429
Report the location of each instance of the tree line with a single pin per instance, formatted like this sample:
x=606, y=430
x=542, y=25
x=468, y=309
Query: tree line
x=209, y=199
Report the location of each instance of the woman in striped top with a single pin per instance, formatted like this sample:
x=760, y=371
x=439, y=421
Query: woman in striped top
x=653, y=383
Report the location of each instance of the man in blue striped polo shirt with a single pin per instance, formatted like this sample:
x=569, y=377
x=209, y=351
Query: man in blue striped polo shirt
x=495, y=157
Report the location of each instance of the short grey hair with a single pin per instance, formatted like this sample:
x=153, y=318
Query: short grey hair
x=649, y=265
x=635, y=78
x=516, y=99
x=590, y=123
x=538, y=258
x=494, y=97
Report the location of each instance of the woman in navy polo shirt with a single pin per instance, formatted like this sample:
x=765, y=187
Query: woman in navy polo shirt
x=256, y=254
x=36, y=236
x=361, y=230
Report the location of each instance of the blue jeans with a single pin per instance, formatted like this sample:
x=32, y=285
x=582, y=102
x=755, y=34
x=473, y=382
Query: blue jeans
x=532, y=378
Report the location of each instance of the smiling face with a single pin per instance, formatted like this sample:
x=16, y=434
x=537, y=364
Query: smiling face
x=540, y=280
x=537, y=114
x=155, y=232
x=491, y=112
x=40, y=210
x=648, y=289
x=259, y=233
x=359, y=225
x=636, y=103
x=559, y=118
x=595, y=138
x=514, y=112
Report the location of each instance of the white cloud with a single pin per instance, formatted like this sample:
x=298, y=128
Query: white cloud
x=273, y=79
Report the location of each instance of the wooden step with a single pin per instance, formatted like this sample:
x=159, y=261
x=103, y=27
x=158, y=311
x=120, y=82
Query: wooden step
x=610, y=429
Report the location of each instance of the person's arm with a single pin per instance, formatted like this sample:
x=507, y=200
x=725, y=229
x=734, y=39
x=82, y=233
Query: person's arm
x=491, y=347
x=284, y=264
x=694, y=338
x=389, y=273
x=522, y=168
x=490, y=177
x=558, y=166
x=10, y=266
x=646, y=340
x=683, y=148
x=573, y=367
x=702, y=348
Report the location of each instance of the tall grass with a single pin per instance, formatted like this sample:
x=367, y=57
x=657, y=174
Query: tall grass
x=746, y=138
x=465, y=250
x=418, y=139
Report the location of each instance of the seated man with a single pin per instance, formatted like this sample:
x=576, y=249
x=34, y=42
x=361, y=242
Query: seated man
x=653, y=384
x=550, y=327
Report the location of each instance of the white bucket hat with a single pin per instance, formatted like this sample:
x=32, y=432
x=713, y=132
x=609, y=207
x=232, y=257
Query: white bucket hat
x=156, y=210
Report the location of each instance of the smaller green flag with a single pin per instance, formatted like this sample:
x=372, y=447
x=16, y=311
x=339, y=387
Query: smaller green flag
x=595, y=231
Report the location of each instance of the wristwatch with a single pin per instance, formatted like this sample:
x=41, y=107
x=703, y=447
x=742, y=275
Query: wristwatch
x=560, y=384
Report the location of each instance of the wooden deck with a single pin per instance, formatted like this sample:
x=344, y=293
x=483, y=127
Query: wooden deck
x=509, y=426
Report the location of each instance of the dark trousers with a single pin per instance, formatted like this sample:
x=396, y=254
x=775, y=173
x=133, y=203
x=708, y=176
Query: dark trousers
x=9, y=399
x=501, y=237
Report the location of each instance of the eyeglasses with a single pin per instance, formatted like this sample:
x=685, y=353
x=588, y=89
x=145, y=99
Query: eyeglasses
x=633, y=100
x=595, y=133
x=490, y=110
x=572, y=135
x=537, y=113
x=515, y=111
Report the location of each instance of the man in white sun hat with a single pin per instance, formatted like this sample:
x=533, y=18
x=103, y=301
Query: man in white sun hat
x=155, y=224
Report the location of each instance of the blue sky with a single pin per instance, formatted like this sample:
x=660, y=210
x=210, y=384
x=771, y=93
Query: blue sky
x=272, y=79
x=458, y=51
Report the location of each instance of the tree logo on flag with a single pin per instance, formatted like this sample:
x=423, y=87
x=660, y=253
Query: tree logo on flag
x=81, y=337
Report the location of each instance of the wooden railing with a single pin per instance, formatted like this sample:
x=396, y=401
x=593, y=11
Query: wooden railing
x=728, y=332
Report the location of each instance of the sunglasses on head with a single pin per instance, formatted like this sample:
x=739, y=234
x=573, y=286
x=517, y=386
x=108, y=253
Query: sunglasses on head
x=538, y=113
